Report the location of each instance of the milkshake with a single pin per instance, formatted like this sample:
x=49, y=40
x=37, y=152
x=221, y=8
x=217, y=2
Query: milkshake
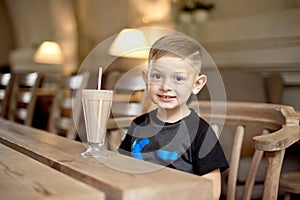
x=96, y=108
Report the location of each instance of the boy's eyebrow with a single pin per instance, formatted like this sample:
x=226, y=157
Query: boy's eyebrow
x=154, y=68
x=183, y=72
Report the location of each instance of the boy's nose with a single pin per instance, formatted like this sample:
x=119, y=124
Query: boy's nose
x=167, y=84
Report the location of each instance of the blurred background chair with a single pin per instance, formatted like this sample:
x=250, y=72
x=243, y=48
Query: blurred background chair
x=66, y=109
x=129, y=99
x=128, y=94
x=23, y=97
x=6, y=83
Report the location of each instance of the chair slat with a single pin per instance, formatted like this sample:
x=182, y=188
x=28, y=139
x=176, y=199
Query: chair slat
x=2, y=94
x=234, y=163
x=4, y=79
x=24, y=96
x=74, y=82
x=28, y=80
x=63, y=124
x=66, y=103
x=21, y=114
x=248, y=188
x=257, y=157
x=6, y=83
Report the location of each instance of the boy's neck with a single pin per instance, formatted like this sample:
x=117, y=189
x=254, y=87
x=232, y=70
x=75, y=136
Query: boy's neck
x=172, y=115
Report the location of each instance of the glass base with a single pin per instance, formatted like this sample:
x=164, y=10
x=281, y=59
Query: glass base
x=94, y=151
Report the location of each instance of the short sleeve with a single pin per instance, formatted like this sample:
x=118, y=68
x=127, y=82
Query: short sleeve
x=125, y=146
x=209, y=154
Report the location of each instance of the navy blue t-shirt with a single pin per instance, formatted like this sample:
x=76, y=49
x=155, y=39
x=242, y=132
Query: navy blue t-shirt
x=188, y=145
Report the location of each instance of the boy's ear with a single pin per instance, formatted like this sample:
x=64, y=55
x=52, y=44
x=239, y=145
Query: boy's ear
x=145, y=77
x=199, y=83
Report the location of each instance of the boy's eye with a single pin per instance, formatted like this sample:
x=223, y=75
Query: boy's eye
x=179, y=78
x=156, y=76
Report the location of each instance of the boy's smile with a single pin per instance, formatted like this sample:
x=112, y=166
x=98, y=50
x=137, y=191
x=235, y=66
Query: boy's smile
x=166, y=98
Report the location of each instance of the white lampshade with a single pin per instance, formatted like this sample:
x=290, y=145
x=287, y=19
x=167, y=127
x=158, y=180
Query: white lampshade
x=49, y=52
x=130, y=43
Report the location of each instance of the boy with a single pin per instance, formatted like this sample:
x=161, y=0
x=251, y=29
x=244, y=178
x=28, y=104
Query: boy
x=174, y=135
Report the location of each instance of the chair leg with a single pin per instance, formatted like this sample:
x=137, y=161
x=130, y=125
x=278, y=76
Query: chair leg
x=274, y=163
x=287, y=196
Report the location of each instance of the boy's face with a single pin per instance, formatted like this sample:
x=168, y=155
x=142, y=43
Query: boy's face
x=171, y=80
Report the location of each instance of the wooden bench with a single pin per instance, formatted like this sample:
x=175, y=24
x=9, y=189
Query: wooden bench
x=24, y=178
x=62, y=154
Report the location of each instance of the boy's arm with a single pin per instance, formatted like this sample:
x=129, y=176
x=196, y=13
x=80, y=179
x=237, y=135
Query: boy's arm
x=215, y=177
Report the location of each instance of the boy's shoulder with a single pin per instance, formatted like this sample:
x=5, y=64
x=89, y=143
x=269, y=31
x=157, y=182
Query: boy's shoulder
x=195, y=119
x=141, y=118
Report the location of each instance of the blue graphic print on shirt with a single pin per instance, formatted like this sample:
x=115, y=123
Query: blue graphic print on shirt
x=137, y=147
x=167, y=155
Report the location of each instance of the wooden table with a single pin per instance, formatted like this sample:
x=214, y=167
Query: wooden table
x=24, y=178
x=64, y=155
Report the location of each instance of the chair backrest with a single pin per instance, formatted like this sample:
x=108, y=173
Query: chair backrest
x=6, y=83
x=66, y=108
x=254, y=130
x=129, y=91
x=129, y=100
x=23, y=97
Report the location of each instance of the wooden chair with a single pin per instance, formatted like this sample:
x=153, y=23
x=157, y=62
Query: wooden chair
x=6, y=83
x=128, y=93
x=129, y=98
x=256, y=129
x=66, y=108
x=273, y=128
x=23, y=97
x=290, y=184
x=289, y=181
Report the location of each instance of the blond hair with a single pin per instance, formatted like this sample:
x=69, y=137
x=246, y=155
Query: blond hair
x=177, y=46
